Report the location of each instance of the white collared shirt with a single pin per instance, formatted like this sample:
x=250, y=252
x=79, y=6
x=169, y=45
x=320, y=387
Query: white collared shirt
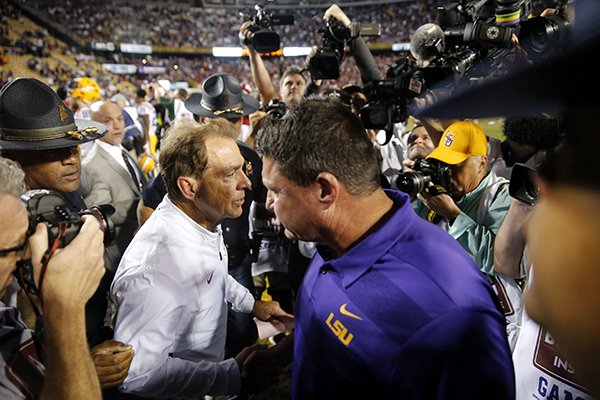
x=171, y=291
x=115, y=152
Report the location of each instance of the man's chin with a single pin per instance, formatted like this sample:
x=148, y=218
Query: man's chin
x=68, y=187
x=290, y=235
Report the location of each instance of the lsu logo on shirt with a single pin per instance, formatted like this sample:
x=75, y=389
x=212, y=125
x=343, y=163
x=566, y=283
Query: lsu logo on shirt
x=338, y=328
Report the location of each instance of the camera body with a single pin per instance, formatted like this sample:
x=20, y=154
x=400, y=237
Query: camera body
x=52, y=208
x=264, y=39
x=476, y=38
x=325, y=63
x=418, y=179
x=388, y=98
x=276, y=108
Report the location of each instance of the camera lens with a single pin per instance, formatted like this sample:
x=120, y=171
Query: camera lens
x=412, y=182
x=540, y=35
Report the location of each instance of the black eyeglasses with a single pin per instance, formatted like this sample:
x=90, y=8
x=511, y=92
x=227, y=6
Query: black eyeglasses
x=18, y=248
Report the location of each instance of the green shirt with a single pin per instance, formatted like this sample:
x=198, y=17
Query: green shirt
x=482, y=213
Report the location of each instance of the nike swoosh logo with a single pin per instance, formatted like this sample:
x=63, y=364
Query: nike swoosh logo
x=209, y=279
x=348, y=313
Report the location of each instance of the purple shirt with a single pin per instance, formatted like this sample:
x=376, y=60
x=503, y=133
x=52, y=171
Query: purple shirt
x=404, y=314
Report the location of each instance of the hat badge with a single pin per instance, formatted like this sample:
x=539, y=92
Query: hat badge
x=449, y=139
x=62, y=113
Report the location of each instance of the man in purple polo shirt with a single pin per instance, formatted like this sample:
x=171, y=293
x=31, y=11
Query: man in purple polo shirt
x=391, y=306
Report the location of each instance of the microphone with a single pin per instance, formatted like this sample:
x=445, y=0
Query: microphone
x=427, y=42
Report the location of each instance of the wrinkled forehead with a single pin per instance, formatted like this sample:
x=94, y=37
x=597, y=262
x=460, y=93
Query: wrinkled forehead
x=223, y=151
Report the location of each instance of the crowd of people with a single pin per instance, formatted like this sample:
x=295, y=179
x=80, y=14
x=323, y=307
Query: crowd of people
x=387, y=263
x=208, y=27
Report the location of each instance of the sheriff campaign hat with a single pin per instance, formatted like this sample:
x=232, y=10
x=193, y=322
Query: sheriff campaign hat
x=221, y=96
x=33, y=117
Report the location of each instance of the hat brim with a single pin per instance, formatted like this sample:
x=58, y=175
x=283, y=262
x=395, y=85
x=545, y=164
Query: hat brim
x=549, y=86
x=61, y=143
x=194, y=105
x=447, y=156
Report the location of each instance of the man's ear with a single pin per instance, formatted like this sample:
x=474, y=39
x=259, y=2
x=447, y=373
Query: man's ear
x=187, y=186
x=328, y=187
x=483, y=163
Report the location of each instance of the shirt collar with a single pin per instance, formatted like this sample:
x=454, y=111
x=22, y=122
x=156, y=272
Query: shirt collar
x=359, y=259
x=202, y=230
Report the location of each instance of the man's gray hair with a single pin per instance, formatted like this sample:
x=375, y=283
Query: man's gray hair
x=12, y=178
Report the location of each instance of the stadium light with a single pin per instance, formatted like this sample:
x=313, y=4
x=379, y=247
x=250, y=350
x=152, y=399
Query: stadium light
x=227, y=51
x=296, y=51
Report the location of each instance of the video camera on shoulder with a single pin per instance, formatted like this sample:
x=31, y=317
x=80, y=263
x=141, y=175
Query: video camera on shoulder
x=52, y=208
x=264, y=39
x=418, y=179
x=325, y=63
x=471, y=41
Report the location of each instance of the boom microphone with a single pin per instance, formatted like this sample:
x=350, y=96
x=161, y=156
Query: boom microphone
x=427, y=42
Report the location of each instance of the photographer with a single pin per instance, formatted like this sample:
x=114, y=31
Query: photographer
x=44, y=137
x=67, y=371
x=476, y=200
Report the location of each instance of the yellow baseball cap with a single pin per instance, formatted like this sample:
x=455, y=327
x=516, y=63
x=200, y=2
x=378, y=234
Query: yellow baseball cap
x=460, y=141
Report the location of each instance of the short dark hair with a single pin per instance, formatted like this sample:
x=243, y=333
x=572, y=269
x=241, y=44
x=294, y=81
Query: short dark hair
x=322, y=135
x=140, y=93
x=540, y=132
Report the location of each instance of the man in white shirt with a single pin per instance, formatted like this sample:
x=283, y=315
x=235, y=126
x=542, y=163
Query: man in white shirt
x=172, y=288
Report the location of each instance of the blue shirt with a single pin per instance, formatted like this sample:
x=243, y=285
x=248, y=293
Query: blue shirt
x=404, y=314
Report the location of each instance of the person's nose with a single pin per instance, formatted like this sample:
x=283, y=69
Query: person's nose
x=270, y=201
x=244, y=182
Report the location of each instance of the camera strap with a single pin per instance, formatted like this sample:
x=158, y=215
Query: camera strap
x=62, y=229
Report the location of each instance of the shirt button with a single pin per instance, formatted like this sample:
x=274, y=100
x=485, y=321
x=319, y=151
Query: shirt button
x=227, y=229
x=323, y=271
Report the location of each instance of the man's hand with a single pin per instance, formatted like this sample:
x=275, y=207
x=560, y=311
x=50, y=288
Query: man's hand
x=264, y=310
x=336, y=12
x=261, y=367
x=245, y=35
x=112, y=360
x=442, y=204
x=73, y=273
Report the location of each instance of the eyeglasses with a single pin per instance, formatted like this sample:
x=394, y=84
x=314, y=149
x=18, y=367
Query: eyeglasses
x=19, y=248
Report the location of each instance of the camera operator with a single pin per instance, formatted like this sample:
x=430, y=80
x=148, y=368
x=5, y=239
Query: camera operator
x=291, y=84
x=44, y=137
x=527, y=140
x=63, y=368
x=477, y=200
